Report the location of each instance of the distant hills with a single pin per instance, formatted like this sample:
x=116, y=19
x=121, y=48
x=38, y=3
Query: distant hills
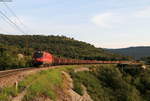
x=135, y=52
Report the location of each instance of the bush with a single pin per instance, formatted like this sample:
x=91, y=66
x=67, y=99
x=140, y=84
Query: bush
x=108, y=83
x=92, y=84
x=10, y=61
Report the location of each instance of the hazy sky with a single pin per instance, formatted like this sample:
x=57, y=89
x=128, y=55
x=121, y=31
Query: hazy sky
x=103, y=23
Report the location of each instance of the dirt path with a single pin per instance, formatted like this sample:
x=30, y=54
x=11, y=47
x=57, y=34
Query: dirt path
x=20, y=96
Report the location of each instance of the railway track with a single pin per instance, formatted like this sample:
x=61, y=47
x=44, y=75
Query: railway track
x=12, y=72
x=7, y=73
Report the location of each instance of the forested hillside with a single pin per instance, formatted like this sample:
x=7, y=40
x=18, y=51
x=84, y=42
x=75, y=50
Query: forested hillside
x=26, y=45
x=136, y=52
x=57, y=45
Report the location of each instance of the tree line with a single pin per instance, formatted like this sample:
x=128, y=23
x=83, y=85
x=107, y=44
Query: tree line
x=12, y=45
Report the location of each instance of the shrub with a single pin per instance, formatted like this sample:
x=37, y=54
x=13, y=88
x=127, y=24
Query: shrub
x=109, y=84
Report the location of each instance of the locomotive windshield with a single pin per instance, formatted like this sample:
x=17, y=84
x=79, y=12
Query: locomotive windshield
x=38, y=54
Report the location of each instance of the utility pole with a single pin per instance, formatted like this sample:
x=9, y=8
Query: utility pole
x=26, y=46
x=1, y=51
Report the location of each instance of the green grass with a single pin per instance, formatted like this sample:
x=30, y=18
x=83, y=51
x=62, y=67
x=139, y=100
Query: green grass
x=43, y=83
x=8, y=92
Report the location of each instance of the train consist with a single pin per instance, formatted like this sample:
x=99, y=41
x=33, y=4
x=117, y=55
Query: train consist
x=46, y=59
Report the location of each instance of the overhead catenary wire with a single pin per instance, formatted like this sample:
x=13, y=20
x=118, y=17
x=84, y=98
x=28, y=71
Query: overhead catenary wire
x=19, y=26
x=13, y=23
x=4, y=19
x=9, y=21
x=10, y=24
x=17, y=18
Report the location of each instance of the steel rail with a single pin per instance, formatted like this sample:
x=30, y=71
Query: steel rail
x=12, y=72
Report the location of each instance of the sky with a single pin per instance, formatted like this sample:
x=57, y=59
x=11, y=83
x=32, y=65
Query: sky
x=103, y=23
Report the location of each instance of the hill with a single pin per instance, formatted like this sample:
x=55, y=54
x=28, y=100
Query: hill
x=11, y=46
x=57, y=45
x=135, y=52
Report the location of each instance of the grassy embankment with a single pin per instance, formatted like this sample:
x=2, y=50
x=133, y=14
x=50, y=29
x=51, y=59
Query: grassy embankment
x=103, y=83
x=43, y=83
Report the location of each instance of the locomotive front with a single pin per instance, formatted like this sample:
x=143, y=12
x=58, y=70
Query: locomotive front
x=42, y=58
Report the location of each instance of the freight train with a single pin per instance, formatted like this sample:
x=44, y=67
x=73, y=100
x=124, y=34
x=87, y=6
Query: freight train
x=42, y=58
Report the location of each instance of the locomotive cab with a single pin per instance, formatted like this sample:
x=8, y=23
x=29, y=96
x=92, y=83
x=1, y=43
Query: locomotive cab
x=42, y=58
x=37, y=56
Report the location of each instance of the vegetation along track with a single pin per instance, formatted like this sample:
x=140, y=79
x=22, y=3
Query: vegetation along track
x=11, y=72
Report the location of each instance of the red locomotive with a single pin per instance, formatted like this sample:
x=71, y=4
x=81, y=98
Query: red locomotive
x=42, y=58
x=46, y=59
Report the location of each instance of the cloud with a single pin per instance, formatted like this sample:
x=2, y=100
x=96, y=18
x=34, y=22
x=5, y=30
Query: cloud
x=107, y=20
x=144, y=13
